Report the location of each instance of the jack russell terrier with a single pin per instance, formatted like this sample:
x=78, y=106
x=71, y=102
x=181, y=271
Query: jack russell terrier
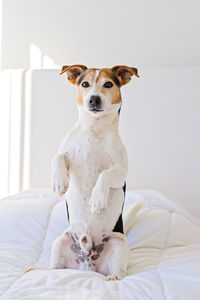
x=90, y=171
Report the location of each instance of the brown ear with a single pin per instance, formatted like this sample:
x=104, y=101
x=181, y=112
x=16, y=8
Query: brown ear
x=73, y=72
x=124, y=73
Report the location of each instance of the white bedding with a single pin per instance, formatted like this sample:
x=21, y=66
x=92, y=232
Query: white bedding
x=164, y=242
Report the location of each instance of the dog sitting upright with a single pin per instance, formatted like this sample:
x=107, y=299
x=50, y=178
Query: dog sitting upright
x=91, y=168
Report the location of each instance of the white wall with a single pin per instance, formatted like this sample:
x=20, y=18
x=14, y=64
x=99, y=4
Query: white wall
x=150, y=33
x=160, y=125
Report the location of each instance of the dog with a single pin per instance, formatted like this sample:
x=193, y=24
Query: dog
x=90, y=172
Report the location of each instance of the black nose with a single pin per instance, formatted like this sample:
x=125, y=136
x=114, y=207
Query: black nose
x=95, y=101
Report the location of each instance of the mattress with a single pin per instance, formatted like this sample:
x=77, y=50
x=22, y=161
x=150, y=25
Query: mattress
x=164, y=242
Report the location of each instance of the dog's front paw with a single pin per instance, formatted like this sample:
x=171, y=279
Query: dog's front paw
x=60, y=182
x=60, y=175
x=98, y=200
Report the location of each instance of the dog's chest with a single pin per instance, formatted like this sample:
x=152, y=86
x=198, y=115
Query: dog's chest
x=90, y=153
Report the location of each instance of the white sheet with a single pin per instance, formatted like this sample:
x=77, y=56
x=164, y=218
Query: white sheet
x=164, y=242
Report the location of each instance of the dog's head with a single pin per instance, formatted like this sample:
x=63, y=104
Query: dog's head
x=99, y=89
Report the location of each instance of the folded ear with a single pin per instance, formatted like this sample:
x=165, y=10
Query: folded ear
x=73, y=72
x=124, y=73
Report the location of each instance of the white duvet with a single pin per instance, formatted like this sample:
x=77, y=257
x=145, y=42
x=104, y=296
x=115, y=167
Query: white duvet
x=164, y=242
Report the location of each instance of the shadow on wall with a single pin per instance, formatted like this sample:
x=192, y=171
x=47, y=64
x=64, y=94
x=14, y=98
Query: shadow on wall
x=39, y=60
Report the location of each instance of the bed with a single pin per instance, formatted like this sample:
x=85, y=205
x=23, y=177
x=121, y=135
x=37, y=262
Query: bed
x=164, y=242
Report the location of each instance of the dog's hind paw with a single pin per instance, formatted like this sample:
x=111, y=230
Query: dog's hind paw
x=30, y=269
x=116, y=276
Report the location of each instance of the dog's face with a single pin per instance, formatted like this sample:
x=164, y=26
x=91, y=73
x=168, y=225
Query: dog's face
x=99, y=89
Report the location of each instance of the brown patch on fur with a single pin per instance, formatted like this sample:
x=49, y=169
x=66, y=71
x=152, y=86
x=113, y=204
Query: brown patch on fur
x=73, y=72
x=79, y=99
x=117, y=101
x=114, y=93
x=89, y=76
x=124, y=73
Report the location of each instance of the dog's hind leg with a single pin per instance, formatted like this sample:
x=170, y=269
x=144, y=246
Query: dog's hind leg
x=64, y=253
x=118, y=258
x=115, y=257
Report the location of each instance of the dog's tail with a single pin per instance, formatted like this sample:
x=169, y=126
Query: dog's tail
x=129, y=215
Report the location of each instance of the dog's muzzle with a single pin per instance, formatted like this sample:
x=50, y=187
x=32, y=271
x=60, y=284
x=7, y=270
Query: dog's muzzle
x=95, y=103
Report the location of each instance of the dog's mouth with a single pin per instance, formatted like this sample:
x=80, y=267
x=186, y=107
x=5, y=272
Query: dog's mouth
x=95, y=110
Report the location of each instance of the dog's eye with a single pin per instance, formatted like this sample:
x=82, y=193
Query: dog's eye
x=85, y=84
x=108, y=84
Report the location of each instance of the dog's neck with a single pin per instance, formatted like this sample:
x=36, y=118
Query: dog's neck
x=100, y=125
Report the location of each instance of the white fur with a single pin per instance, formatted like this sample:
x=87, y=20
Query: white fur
x=91, y=168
